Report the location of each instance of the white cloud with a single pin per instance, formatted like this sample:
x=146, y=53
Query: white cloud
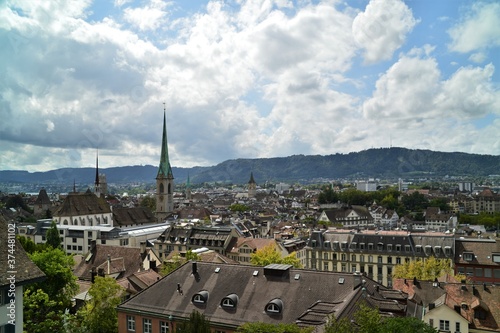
x=480, y=28
x=149, y=17
x=478, y=57
x=382, y=28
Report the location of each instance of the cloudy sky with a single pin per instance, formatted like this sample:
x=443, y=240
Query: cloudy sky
x=244, y=79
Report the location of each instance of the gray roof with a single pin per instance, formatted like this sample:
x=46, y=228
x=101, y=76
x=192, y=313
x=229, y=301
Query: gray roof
x=307, y=296
x=25, y=270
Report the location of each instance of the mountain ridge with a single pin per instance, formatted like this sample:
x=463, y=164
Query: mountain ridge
x=375, y=162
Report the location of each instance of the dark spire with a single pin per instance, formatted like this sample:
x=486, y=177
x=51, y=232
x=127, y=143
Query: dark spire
x=97, y=168
x=251, y=181
x=165, y=169
x=188, y=182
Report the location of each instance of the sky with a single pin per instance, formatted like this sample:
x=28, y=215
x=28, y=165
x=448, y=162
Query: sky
x=243, y=79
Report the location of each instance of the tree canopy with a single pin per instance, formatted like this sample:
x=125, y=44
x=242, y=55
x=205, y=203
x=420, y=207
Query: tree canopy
x=270, y=255
x=197, y=323
x=428, y=270
x=177, y=261
x=52, y=236
x=272, y=328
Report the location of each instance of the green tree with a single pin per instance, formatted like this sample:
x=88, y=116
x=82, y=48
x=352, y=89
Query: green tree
x=238, y=208
x=442, y=203
x=407, y=325
x=177, y=261
x=415, y=201
x=328, y=195
x=197, y=323
x=270, y=255
x=428, y=270
x=334, y=325
x=368, y=319
x=41, y=314
x=99, y=314
x=272, y=328
x=60, y=284
x=148, y=202
x=52, y=235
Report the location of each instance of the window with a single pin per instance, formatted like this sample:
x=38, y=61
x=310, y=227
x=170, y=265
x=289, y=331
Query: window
x=496, y=258
x=201, y=297
x=389, y=260
x=370, y=246
x=344, y=258
x=362, y=258
x=496, y=273
x=487, y=272
x=353, y=257
x=131, y=323
x=431, y=322
x=230, y=301
x=379, y=259
x=389, y=247
x=147, y=325
x=74, y=240
x=468, y=256
x=407, y=248
x=418, y=248
x=457, y=327
x=275, y=306
x=361, y=246
x=344, y=268
x=334, y=256
x=398, y=247
x=478, y=272
x=380, y=246
x=325, y=266
x=325, y=255
x=163, y=327
x=444, y=325
x=370, y=258
x=398, y=261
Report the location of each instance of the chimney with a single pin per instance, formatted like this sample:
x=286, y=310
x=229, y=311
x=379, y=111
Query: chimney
x=93, y=274
x=357, y=279
x=195, y=267
x=109, y=264
x=100, y=271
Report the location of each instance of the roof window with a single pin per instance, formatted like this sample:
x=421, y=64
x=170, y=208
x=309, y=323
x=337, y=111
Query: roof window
x=274, y=307
x=230, y=301
x=200, y=297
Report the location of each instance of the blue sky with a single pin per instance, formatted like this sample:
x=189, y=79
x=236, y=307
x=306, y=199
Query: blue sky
x=244, y=79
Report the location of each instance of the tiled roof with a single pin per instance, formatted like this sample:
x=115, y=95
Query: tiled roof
x=43, y=198
x=124, y=260
x=25, y=270
x=481, y=248
x=132, y=216
x=82, y=204
x=307, y=296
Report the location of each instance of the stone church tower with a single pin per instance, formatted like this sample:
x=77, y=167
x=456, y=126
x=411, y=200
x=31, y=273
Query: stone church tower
x=252, y=187
x=164, y=180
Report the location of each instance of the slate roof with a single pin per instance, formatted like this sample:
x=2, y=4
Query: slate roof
x=307, y=296
x=125, y=261
x=26, y=271
x=482, y=249
x=43, y=198
x=132, y=216
x=82, y=204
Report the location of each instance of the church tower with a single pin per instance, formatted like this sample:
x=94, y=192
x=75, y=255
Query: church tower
x=188, y=189
x=252, y=187
x=97, y=185
x=164, y=179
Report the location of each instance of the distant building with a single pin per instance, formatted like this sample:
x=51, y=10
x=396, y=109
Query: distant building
x=42, y=204
x=84, y=209
x=349, y=217
x=366, y=186
x=252, y=187
x=478, y=259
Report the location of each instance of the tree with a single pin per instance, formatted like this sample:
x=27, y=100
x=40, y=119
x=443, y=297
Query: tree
x=415, y=201
x=238, y=208
x=272, y=328
x=368, y=319
x=334, y=325
x=52, y=235
x=148, y=202
x=197, y=323
x=41, y=314
x=427, y=270
x=177, y=261
x=407, y=325
x=99, y=314
x=270, y=255
x=60, y=284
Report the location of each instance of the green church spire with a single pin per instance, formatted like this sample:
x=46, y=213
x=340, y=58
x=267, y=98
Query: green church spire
x=165, y=169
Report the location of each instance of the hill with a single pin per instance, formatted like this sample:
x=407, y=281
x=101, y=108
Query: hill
x=381, y=162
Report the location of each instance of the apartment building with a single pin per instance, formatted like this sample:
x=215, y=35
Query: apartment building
x=370, y=252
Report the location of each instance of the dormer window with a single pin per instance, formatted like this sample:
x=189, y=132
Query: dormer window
x=230, y=301
x=468, y=256
x=418, y=248
x=380, y=246
x=274, y=307
x=200, y=297
x=370, y=246
x=344, y=246
x=447, y=250
x=353, y=245
x=437, y=250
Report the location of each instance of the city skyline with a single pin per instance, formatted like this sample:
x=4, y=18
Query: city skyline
x=249, y=79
